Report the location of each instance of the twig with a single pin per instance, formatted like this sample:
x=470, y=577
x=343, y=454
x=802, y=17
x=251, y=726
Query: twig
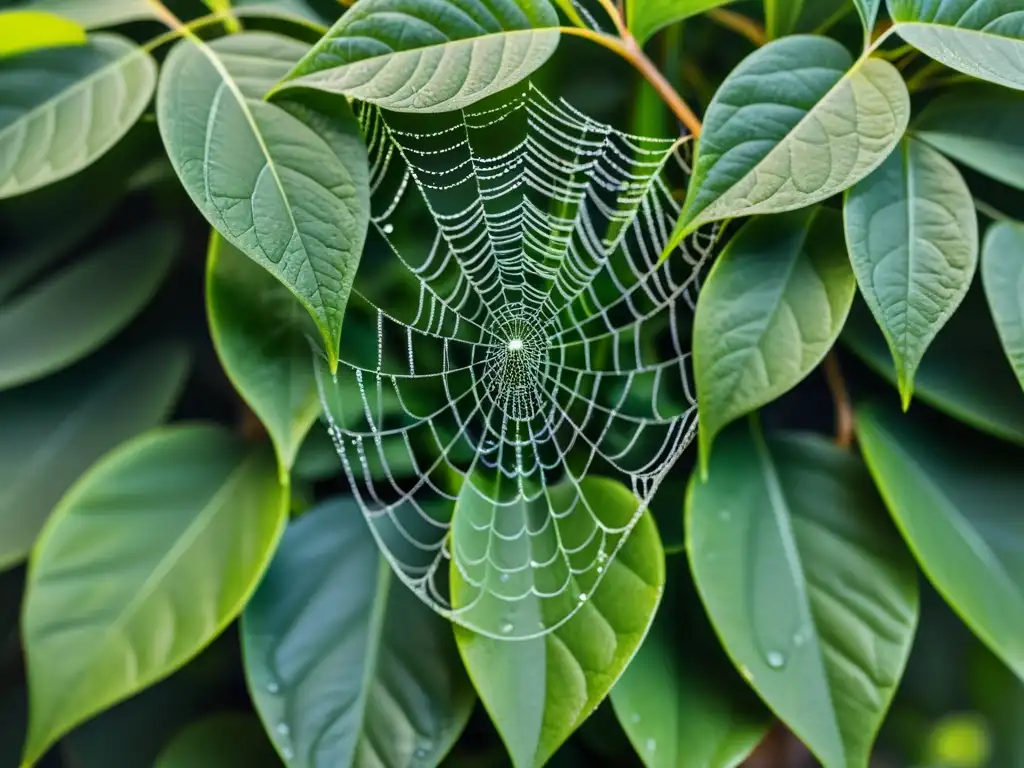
x=841, y=399
x=740, y=24
x=990, y=211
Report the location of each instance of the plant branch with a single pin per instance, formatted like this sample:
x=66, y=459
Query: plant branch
x=841, y=398
x=990, y=211
x=183, y=29
x=740, y=24
x=628, y=49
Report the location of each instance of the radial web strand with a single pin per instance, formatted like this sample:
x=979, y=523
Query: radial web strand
x=513, y=336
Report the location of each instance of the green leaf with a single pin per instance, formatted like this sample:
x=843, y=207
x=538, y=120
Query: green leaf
x=679, y=701
x=429, y=56
x=73, y=312
x=65, y=107
x=262, y=336
x=771, y=309
x=538, y=691
x=97, y=13
x=977, y=37
x=645, y=17
x=224, y=740
x=23, y=31
x=795, y=123
x=868, y=12
x=1002, y=274
x=781, y=17
x=807, y=584
x=954, y=496
x=912, y=234
x=53, y=431
x=146, y=560
x=979, y=126
x=965, y=375
x=286, y=183
x=330, y=624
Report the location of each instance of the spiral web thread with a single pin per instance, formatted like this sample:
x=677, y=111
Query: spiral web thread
x=533, y=343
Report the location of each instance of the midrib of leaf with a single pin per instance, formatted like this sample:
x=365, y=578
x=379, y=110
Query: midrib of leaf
x=780, y=511
x=194, y=529
x=374, y=645
x=911, y=251
x=85, y=83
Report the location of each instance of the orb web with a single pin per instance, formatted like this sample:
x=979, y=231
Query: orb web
x=514, y=347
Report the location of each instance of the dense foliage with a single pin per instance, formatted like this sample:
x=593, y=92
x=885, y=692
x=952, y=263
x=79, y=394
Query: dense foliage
x=349, y=357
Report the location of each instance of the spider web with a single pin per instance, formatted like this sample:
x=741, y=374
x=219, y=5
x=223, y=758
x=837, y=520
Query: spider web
x=528, y=339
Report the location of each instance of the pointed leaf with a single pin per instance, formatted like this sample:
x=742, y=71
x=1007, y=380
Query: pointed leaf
x=868, y=11
x=980, y=38
x=781, y=17
x=225, y=740
x=347, y=666
x=913, y=239
x=430, y=56
x=772, y=307
x=23, y=31
x=795, y=123
x=645, y=17
x=73, y=312
x=1002, y=273
x=538, y=691
x=979, y=126
x=51, y=432
x=150, y=555
x=287, y=183
x=65, y=107
x=955, y=497
x=807, y=584
x=679, y=700
x=262, y=336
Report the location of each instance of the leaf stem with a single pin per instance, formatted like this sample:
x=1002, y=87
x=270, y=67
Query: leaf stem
x=990, y=211
x=737, y=22
x=841, y=399
x=211, y=19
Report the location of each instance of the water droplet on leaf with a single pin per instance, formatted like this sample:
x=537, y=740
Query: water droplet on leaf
x=775, y=659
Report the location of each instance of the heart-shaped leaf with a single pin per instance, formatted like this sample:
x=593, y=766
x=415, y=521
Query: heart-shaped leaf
x=771, y=308
x=955, y=497
x=53, y=431
x=807, y=584
x=65, y=107
x=262, y=336
x=149, y=556
x=60, y=320
x=328, y=625
x=978, y=37
x=913, y=239
x=224, y=740
x=23, y=31
x=287, y=183
x=429, y=55
x=979, y=126
x=645, y=17
x=795, y=123
x=538, y=691
x=1002, y=273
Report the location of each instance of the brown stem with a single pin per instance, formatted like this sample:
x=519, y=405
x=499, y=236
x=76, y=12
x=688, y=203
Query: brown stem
x=841, y=398
x=740, y=24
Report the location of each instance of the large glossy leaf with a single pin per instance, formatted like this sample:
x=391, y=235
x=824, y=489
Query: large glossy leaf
x=979, y=126
x=772, y=307
x=781, y=17
x=65, y=317
x=645, y=17
x=982, y=38
x=63, y=108
x=679, y=701
x=262, y=336
x=287, y=183
x=345, y=664
x=538, y=691
x=912, y=234
x=796, y=122
x=956, y=498
x=23, y=31
x=966, y=374
x=225, y=740
x=51, y=432
x=807, y=584
x=1002, y=272
x=148, y=557
x=98, y=13
x=431, y=55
